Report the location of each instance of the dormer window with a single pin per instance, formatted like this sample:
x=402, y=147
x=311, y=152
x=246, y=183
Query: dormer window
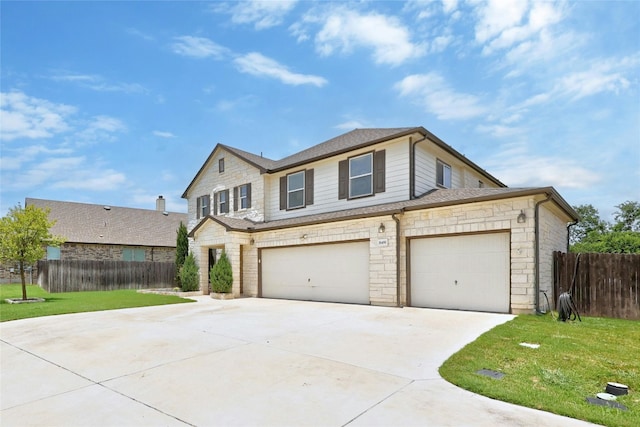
x=443, y=174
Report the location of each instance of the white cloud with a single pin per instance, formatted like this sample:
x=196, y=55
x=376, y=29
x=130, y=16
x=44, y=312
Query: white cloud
x=344, y=30
x=350, y=125
x=68, y=173
x=163, y=134
x=22, y=116
x=198, y=47
x=602, y=76
x=433, y=93
x=15, y=158
x=449, y=6
x=498, y=16
x=241, y=102
x=90, y=179
x=98, y=129
x=99, y=83
x=259, y=65
x=262, y=14
x=528, y=170
x=141, y=34
x=501, y=130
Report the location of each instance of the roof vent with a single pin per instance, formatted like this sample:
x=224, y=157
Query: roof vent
x=165, y=213
x=107, y=208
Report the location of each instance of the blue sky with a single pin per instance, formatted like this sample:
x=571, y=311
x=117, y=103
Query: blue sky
x=118, y=102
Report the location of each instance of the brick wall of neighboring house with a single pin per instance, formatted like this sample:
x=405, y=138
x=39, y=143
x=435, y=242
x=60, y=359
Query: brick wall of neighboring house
x=6, y=276
x=79, y=251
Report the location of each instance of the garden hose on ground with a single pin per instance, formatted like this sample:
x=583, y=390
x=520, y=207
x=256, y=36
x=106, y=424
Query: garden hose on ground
x=567, y=309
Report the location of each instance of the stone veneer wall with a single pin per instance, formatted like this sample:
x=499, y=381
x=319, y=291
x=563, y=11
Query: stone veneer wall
x=382, y=274
x=553, y=237
x=460, y=219
x=483, y=217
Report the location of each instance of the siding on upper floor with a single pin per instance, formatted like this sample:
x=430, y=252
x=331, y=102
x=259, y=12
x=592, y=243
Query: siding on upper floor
x=236, y=172
x=326, y=183
x=462, y=176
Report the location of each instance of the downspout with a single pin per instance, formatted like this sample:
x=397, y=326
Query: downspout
x=537, y=252
x=412, y=168
x=397, y=220
x=569, y=225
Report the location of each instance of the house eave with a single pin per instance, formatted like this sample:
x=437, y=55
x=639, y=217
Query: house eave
x=392, y=208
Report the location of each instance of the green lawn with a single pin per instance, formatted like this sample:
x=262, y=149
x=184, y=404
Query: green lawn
x=575, y=360
x=74, y=302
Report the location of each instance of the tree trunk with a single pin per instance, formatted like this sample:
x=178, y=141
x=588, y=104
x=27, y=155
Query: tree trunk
x=24, y=285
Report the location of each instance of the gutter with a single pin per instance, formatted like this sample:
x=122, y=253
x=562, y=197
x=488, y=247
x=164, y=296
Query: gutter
x=412, y=168
x=397, y=221
x=537, y=251
x=569, y=225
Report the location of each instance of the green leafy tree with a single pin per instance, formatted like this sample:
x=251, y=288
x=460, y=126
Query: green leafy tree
x=189, y=277
x=24, y=236
x=627, y=217
x=221, y=276
x=611, y=242
x=590, y=221
x=182, y=249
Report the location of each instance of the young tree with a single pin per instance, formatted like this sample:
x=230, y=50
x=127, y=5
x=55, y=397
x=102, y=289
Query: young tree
x=182, y=249
x=189, y=274
x=221, y=276
x=24, y=236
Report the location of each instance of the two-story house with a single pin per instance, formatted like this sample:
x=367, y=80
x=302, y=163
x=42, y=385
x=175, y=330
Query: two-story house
x=376, y=216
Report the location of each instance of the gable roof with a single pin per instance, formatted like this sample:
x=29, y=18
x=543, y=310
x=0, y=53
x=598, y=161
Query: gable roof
x=434, y=199
x=353, y=140
x=111, y=225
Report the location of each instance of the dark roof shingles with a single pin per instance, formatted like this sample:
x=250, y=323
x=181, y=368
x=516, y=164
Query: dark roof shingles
x=88, y=223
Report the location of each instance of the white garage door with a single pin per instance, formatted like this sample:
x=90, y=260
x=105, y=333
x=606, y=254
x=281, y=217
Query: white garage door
x=332, y=272
x=468, y=272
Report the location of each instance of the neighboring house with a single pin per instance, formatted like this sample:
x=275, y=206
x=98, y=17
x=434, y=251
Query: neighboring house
x=98, y=232
x=376, y=216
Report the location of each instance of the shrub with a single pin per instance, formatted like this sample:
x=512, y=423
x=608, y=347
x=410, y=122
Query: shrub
x=189, y=274
x=221, y=276
x=182, y=249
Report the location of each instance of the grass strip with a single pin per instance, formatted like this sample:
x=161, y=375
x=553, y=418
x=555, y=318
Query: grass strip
x=575, y=360
x=75, y=302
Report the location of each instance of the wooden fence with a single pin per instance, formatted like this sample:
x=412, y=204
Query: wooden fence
x=72, y=276
x=606, y=285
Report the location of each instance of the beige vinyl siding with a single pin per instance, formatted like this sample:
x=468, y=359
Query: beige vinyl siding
x=425, y=169
x=326, y=183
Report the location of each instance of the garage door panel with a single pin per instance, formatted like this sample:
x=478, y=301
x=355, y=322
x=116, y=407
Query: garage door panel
x=331, y=272
x=467, y=272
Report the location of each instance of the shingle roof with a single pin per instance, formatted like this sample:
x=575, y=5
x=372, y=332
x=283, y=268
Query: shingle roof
x=352, y=140
x=345, y=142
x=436, y=198
x=88, y=223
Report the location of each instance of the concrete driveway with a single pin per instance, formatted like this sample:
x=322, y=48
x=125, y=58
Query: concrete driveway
x=254, y=362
